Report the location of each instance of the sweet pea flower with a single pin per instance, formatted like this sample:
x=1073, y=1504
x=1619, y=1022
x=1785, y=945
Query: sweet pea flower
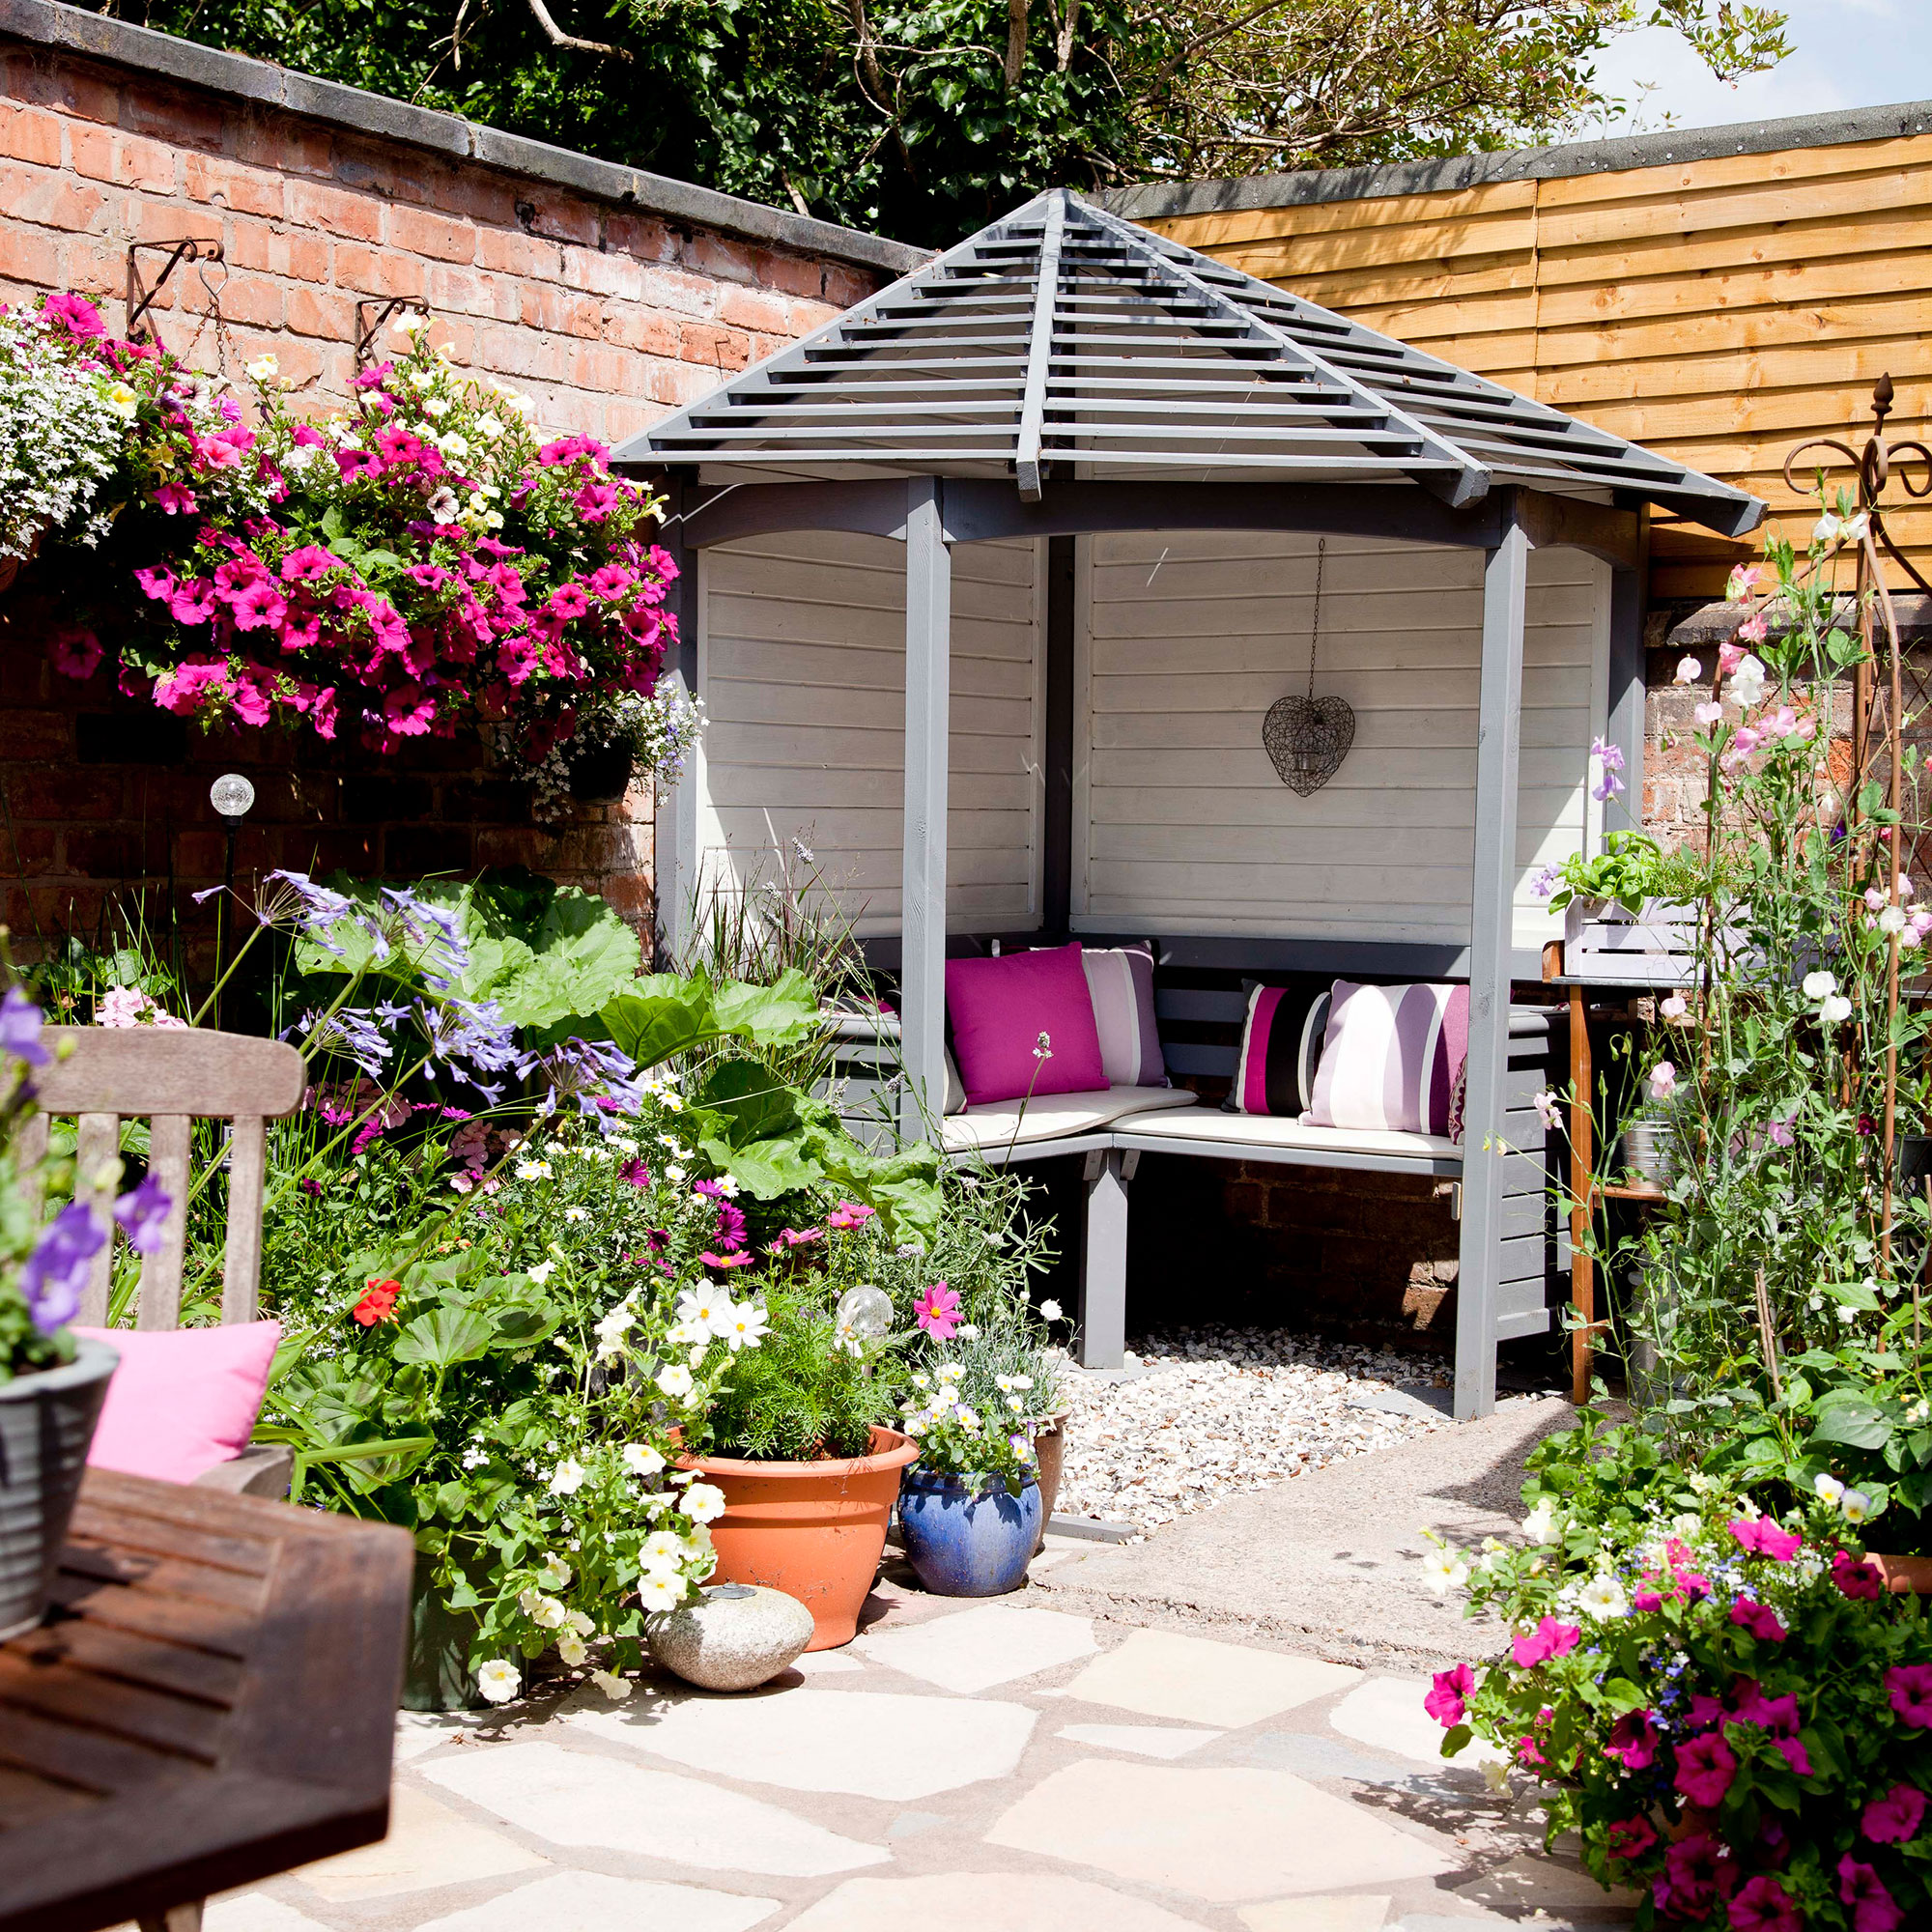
x=1610, y=760
x=1708, y=714
x=1820, y=985
x=1753, y=631
x=1662, y=1081
x=21, y=1022
x=1447, y=1695
x=1833, y=1010
x=1689, y=672
x=1547, y=1110
x=1673, y=1006
x=1895, y=1817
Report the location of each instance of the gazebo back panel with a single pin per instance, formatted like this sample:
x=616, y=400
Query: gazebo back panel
x=1184, y=640
x=801, y=668
x=1181, y=640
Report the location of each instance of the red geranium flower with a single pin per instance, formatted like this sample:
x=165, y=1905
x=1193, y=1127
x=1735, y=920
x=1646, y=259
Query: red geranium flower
x=378, y=1304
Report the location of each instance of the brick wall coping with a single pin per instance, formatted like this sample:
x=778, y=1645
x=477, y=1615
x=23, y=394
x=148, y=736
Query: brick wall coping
x=1712, y=624
x=1157, y=201
x=72, y=29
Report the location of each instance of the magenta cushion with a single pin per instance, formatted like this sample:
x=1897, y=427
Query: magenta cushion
x=998, y=1009
x=182, y=1400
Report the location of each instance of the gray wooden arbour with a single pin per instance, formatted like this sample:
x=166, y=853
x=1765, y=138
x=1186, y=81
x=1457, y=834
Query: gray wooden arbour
x=1065, y=372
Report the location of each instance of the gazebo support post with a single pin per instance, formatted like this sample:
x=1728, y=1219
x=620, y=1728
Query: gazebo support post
x=676, y=841
x=928, y=585
x=1491, y=922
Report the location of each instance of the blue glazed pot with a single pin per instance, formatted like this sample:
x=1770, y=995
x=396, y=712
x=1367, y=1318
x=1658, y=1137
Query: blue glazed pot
x=965, y=1536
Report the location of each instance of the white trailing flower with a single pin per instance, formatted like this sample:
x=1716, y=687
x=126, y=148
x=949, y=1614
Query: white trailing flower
x=61, y=430
x=616, y=1689
x=675, y=1381
x=1443, y=1570
x=1540, y=1524
x=661, y=1590
x=555, y=1572
x=703, y=1502
x=570, y=1647
x=498, y=1680
x=1603, y=1596
x=567, y=1478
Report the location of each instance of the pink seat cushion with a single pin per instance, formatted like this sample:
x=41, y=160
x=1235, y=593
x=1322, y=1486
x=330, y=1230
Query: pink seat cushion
x=998, y=1009
x=182, y=1400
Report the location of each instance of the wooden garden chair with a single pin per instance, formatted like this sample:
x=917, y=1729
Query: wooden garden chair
x=172, y=1077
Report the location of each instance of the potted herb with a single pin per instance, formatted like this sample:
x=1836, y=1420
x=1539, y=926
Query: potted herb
x=51, y=1385
x=1623, y=915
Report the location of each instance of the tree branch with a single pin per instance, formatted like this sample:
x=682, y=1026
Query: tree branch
x=559, y=38
x=1016, y=42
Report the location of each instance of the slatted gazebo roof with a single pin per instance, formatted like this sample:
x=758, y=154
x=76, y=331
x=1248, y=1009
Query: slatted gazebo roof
x=1062, y=341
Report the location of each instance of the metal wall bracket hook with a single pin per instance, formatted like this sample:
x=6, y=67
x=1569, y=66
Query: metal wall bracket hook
x=372, y=318
x=141, y=298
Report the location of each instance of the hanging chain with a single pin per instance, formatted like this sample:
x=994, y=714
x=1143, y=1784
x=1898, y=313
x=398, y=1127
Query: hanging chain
x=1315, y=622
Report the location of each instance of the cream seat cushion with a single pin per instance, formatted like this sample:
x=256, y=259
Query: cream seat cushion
x=1055, y=1117
x=1208, y=1125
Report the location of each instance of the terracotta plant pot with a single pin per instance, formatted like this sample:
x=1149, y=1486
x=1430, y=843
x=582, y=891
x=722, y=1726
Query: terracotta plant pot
x=815, y=1530
x=1904, y=1576
x=1050, y=1448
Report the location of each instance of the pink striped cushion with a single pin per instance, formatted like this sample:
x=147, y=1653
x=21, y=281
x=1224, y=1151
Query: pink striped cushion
x=1389, y=1058
x=1120, y=980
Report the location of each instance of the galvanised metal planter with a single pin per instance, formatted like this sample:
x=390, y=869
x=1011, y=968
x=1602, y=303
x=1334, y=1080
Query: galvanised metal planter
x=965, y=1536
x=46, y=1423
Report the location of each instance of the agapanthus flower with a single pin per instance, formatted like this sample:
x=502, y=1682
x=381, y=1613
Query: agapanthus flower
x=599, y=1077
x=477, y=1032
x=352, y=1032
x=431, y=930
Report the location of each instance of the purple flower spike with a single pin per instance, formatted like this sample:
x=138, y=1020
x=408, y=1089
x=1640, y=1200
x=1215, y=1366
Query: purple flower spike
x=20, y=1027
x=56, y=1270
x=143, y=1216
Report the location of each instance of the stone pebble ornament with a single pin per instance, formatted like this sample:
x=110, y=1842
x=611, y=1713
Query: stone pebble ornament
x=734, y=1637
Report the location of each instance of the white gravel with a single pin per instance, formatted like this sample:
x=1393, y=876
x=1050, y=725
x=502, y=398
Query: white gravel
x=1225, y=1410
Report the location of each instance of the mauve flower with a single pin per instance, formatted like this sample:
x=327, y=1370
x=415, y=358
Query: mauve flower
x=76, y=652
x=1911, y=1689
x=634, y=1173
x=1895, y=1817
x=143, y=1214
x=1873, y=1909
x=1445, y=1699
x=1763, y=1905
x=850, y=1214
x=1858, y=1580
x=56, y=1271
x=1632, y=1838
x=1696, y=1873
x=1760, y=1619
x=1705, y=1768
x=20, y=1023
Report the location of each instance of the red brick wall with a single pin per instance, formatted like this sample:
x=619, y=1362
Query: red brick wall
x=607, y=315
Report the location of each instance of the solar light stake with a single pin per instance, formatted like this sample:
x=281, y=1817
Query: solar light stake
x=231, y=795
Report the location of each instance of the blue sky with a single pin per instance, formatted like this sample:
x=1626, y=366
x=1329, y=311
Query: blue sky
x=1848, y=53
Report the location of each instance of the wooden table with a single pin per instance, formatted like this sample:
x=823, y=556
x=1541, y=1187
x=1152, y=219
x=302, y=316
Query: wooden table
x=212, y=1701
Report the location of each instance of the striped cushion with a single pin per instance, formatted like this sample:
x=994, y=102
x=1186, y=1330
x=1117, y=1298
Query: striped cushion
x=1281, y=1042
x=1120, y=980
x=1389, y=1058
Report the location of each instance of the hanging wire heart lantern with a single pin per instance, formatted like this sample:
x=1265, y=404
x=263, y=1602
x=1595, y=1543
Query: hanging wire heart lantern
x=1307, y=738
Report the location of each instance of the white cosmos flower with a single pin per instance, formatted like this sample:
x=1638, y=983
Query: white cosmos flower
x=1828, y=1486
x=703, y=1502
x=498, y=1680
x=570, y=1647
x=1444, y=1570
x=1603, y=1596
x=1820, y=985
x=675, y=1381
x=660, y=1590
x=705, y=1310
x=567, y=1478
x=1540, y=1524
x=613, y=1687
x=746, y=1327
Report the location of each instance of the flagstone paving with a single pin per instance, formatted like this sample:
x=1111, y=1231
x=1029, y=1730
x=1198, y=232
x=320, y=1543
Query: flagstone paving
x=961, y=1768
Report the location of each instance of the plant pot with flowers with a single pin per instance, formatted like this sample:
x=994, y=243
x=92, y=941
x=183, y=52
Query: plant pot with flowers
x=797, y=1442
x=51, y=1383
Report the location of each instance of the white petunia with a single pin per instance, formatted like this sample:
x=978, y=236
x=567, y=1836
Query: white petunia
x=498, y=1680
x=640, y=1459
x=616, y=1689
x=264, y=369
x=555, y=1572
x=444, y=507
x=489, y=427
x=547, y=1613
x=567, y=1478
x=675, y=1381
x=1540, y=1524
x=660, y=1590
x=1603, y=1596
x=1444, y=1570
x=570, y=1647
x=541, y=1272
x=703, y=1502
x=664, y=1550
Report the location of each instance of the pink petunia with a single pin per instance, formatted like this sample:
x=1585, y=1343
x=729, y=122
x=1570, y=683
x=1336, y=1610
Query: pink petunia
x=1873, y=1908
x=1895, y=1817
x=1632, y=1838
x=1762, y=1537
x=1860, y=1581
x=1760, y=1619
x=1763, y=1905
x=409, y=710
x=938, y=1310
x=1697, y=1872
x=250, y=695
x=1777, y=1715
x=75, y=314
x=610, y=580
x=1705, y=1768
x=568, y=601
x=76, y=652
x=156, y=581
x=1445, y=1699
x=192, y=602
x=1911, y=1689
x=306, y=564
x=174, y=500
x=257, y=606
x=1549, y=1640
x=1633, y=1741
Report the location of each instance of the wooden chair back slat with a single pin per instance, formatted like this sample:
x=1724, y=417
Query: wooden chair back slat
x=97, y=1160
x=171, y=1077
x=168, y=1156
x=30, y=1142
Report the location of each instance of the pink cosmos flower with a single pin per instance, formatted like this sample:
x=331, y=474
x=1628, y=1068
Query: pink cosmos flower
x=938, y=1311
x=1633, y=1740
x=712, y=1260
x=850, y=1214
x=1911, y=1689
x=795, y=1237
x=1705, y=1768
x=1632, y=1838
x=174, y=500
x=1447, y=1691
x=1762, y=1537
x=1895, y=1817
x=77, y=653
x=1763, y=1905
x=1858, y=1580
x=1548, y=1639
x=1760, y=1619
x=1873, y=1909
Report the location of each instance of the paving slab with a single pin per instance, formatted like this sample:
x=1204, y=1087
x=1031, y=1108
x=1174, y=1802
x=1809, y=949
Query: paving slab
x=583, y=1798
x=1387, y=1712
x=1356, y=1912
x=872, y=1744
x=428, y=1845
x=984, y=1903
x=254, y=1912
x=1168, y=1674
x=582, y=1901
x=1143, y=1739
x=973, y=1649
x=1331, y=1559
x=1231, y=1836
